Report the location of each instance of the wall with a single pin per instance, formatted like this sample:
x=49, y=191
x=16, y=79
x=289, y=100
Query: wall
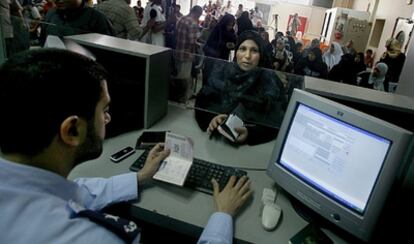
x=388, y=10
x=406, y=86
x=315, y=17
x=362, y=5
x=342, y=3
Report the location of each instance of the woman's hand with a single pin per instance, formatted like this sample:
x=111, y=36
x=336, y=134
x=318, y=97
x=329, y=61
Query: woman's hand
x=215, y=122
x=230, y=45
x=243, y=134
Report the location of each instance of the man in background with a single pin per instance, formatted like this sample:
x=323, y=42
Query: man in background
x=72, y=17
x=186, y=34
x=153, y=11
x=123, y=18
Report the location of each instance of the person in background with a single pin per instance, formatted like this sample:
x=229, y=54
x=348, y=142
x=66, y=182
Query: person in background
x=282, y=60
x=298, y=52
x=312, y=65
x=154, y=11
x=72, y=17
x=206, y=32
x=333, y=55
x=266, y=38
x=228, y=9
x=177, y=12
x=222, y=39
x=6, y=26
x=186, y=34
x=345, y=71
x=139, y=11
x=375, y=78
x=247, y=88
x=256, y=16
x=244, y=23
x=294, y=24
x=359, y=63
x=123, y=18
x=314, y=43
x=369, y=58
x=349, y=48
x=57, y=108
x=394, y=59
x=239, y=11
x=171, y=26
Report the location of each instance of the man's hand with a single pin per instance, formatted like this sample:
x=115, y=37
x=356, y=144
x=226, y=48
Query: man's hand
x=215, y=122
x=155, y=157
x=243, y=134
x=233, y=196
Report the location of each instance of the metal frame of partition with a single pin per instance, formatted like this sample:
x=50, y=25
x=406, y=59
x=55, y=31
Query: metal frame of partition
x=2, y=45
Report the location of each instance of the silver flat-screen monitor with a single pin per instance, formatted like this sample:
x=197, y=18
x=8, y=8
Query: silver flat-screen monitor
x=339, y=162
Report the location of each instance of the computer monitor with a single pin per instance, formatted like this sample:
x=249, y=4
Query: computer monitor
x=339, y=162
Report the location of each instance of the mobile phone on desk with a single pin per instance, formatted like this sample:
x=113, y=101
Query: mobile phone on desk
x=149, y=139
x=122, y=154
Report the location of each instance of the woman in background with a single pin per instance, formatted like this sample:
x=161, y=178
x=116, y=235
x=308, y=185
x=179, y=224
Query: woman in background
x=312, y=65
x=222, y=38
x=394, y=59
x=333, y=55
x=375, y=78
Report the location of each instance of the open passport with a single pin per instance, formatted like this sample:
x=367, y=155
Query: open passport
x=174, y=169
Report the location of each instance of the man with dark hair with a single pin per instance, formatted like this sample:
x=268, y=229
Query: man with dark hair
x=54, y=107
x=72, y=17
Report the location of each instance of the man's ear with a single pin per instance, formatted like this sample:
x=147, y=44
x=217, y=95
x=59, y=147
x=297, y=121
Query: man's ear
x=72, y=130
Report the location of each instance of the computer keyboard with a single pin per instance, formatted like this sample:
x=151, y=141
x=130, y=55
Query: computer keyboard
x=201, y=173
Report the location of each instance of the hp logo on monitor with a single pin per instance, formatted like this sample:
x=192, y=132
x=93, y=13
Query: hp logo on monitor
x=340, y=113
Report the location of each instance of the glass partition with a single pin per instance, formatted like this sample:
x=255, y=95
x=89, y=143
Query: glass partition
x=221, y=88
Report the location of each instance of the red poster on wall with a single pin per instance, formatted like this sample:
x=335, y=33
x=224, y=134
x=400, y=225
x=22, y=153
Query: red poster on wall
x=301, y=27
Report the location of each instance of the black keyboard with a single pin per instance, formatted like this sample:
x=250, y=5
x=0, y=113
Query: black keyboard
x=201, y=173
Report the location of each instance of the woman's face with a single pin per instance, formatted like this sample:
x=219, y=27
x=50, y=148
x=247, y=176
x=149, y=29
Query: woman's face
x=311, y=57
x=280, y=45
x=248, y=55
x=230, y=25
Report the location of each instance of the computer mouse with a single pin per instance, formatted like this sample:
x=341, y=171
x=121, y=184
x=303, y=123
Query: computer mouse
x=270, y=216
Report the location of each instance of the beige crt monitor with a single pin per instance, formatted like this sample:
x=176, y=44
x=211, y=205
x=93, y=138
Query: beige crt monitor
x=339, y=162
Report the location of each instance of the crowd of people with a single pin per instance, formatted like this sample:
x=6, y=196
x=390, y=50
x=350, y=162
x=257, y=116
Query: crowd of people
x=213, y=33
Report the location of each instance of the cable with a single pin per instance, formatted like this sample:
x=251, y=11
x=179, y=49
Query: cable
x=251, y=169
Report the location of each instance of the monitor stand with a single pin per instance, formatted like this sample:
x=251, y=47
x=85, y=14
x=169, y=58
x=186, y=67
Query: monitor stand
x=312, y=217
x=308, y=214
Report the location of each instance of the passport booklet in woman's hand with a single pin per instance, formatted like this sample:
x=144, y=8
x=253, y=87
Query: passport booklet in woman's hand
x=227, y=128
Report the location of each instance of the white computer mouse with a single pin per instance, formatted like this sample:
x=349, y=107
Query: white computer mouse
x=270, y=216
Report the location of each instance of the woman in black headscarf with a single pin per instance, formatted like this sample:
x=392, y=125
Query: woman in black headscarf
x=244, y=23
x=244, y=88
x=222, y=39
x=312, y=65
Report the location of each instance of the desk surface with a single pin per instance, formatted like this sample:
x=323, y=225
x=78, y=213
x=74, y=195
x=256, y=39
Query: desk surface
x=167, y=202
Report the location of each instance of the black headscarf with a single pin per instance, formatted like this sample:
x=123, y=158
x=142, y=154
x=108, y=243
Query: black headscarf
x=216, y=43
x=244, y=23
x=254, y=36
